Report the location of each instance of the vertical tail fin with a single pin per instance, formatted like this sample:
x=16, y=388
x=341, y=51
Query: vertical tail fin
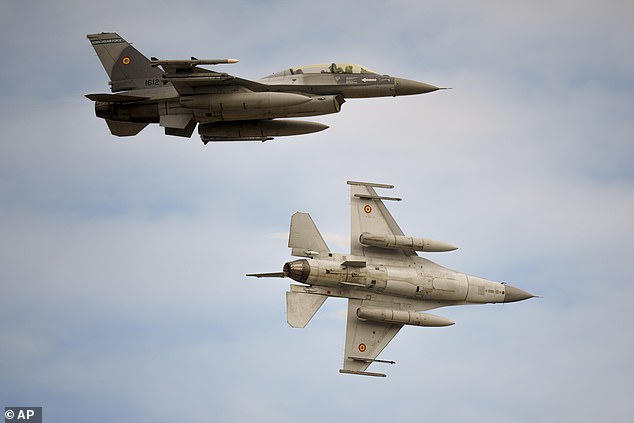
x=127, y=68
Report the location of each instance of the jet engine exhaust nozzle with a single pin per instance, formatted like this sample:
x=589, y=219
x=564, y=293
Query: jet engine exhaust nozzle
x=297, y=270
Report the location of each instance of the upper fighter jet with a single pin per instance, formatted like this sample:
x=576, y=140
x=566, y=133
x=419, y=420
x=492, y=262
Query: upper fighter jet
x=178, y=94
x=386, y=283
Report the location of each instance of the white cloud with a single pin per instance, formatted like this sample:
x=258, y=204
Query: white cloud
x=122, y=262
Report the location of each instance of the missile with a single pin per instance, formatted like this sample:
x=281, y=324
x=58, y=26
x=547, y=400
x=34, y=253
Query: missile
x=257, y=130
x=243, y=101
x=193, y=62
x=388, y=315
x=405, y=242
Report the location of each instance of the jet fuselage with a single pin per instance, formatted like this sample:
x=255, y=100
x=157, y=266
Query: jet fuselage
x=310, y=95
x=421, y=279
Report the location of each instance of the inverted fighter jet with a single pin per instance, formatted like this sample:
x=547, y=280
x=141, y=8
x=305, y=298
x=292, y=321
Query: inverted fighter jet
x=386, y=283
x=178, y=94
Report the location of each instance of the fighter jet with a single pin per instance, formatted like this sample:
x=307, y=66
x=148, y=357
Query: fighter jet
x=386, y=283
x=179, y=94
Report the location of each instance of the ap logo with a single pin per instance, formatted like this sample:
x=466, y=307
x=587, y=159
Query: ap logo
x=23, y=414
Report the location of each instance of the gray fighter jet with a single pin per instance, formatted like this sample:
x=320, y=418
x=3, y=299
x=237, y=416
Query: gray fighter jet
x=386, y=283
x=178, y=94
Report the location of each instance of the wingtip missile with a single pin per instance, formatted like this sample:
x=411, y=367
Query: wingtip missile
x=358, y=372
x=191, y=62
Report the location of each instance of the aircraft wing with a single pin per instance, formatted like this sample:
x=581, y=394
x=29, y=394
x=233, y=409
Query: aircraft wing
x=214, y=83
x=369, y=214
x=365, y=340
x=188, y=79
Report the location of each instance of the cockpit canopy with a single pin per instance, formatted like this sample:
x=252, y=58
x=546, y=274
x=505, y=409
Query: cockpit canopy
x=324, y=68
x=332, y=68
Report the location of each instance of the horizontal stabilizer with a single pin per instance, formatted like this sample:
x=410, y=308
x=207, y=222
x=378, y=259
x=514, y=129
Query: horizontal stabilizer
x=125, y=129
x=115, y=98
x=301, y=307
x=304, y=237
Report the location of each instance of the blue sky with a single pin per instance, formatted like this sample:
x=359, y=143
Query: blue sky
x=122, y=261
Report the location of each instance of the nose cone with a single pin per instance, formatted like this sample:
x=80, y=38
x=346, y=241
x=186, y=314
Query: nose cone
x=512, y=294
x=408, y=87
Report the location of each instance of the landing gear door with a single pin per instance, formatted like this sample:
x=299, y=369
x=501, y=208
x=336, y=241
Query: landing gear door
x=377, y=278
x=425, y=284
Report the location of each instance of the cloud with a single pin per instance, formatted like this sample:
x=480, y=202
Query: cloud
x=122, y=261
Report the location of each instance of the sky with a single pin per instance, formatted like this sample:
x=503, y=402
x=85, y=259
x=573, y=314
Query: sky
x=123, y=293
